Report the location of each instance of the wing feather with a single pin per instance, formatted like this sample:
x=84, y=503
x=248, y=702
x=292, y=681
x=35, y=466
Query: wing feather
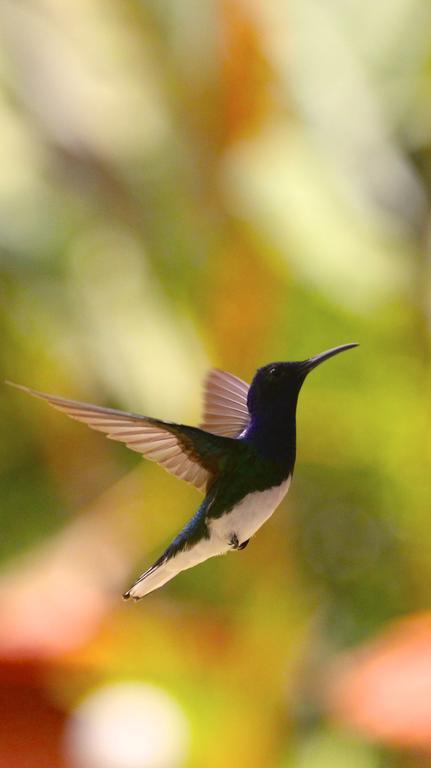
x=155, y=439
x=225, y=404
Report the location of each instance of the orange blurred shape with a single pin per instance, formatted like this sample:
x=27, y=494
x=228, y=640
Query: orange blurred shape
x=243, y=304
x=383, y=689
x=246, y=74
x=54, y=597
x=31, y=724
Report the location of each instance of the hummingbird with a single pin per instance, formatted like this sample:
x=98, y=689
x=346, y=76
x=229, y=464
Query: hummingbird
x=241, y=457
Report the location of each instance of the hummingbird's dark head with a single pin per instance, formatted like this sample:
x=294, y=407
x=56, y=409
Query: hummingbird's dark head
x=275, y=387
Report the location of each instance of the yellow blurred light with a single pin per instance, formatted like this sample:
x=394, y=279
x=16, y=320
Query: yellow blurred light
x=150, y=357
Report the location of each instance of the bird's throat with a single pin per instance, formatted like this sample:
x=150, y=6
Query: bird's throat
x=273, y=436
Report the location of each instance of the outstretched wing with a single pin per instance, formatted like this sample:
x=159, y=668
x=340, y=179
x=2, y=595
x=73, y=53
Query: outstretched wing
x=225, y=404
x=186, y=452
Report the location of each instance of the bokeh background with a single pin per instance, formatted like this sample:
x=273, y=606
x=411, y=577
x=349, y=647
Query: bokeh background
x=188, y=184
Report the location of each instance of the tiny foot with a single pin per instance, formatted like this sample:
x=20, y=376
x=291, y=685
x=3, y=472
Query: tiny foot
x=234, y=542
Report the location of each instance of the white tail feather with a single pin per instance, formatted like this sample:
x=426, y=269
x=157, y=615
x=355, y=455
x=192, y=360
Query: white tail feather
x=152, y=579
x=158, y=575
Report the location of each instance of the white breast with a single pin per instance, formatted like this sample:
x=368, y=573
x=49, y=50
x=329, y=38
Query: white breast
x=242, y=521
x=249, y=515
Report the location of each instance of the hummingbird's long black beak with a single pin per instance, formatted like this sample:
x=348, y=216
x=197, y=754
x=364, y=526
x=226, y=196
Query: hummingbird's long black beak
x=313, y=362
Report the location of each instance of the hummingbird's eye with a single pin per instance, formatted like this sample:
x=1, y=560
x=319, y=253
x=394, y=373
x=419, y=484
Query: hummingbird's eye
x=275, y=372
